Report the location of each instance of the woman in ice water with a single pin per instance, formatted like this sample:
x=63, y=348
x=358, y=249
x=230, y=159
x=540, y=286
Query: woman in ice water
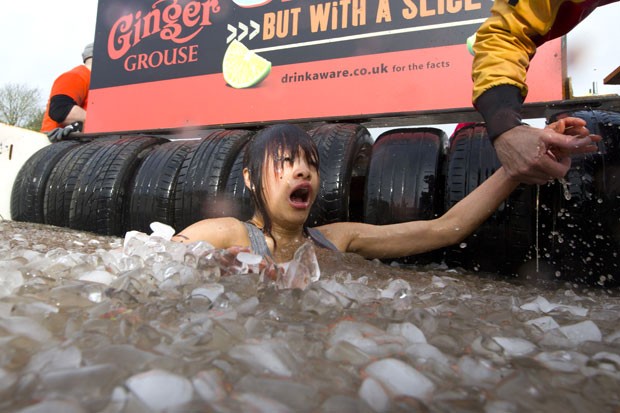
x=281, y=172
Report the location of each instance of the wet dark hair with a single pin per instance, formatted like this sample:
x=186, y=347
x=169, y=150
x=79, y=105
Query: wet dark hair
x=270, y=143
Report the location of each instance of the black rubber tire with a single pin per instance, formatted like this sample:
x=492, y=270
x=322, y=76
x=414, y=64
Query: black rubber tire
x=153, y=187
x=62, y=181
x=405, y=168
x=237, y=192
x=505, y=241
x=28, y=193
x=99, y=200
x=344, y=156
x=202, y=180
x=582, y=243
x=404, y=181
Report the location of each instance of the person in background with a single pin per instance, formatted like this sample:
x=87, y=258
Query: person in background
x=68, y=101
x=505, y=43
x=281, y=167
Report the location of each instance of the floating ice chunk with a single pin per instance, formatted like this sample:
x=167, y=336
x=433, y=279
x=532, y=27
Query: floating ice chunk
x=514, y=346
x=98, y=276
x=55, y=358
x=9, y=281
x=211, y=291
x=118, y=402
x=133, y=240
x=24, y=326
x=395, y=289
x=607, y=361
x=581, y=332
x=478, y=371
x=442, y=282
x=91, y=382
x=368, y=338
x=375, y=395
x=161, y=390
x=425, y=354
x=540, y=304
x=251, y=402
x=342, y=293
x=545, y=323
x=209, y=384
x=161, y=230
x=249, y=258
x=347, y=352
x=562, y=361
x=400, y=379
x=271, y=356
x=302, y=270
x=613, y=337
x=412, y=333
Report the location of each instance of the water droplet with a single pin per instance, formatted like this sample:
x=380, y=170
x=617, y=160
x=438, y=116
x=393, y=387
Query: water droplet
x=463, y=245
x=565, y=184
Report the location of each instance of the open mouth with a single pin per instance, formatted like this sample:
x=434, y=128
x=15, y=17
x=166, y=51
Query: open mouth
x=300, y=197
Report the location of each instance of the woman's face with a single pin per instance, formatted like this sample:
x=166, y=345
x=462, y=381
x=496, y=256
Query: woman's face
x=290, y=188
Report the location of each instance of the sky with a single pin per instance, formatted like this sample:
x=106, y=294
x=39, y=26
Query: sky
x=43, y=38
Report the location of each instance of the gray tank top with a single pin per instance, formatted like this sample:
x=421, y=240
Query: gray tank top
x=259, y=245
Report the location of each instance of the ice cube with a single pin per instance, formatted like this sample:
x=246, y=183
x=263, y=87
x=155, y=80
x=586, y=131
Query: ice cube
x=581, y=332
x=10, y=281
x=545, y=323
x=210, y=291
x=541, y=304
x=161, y=230
x=209, y=384
x=272, y=356
x=375, y=395
x=98, y=276
x=251, y=402
x=514, y=346
x=395, y=289
x=409, y=331
x=400, y=379
x=161, y=390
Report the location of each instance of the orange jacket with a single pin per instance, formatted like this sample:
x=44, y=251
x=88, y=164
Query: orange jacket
x=73, y=84
x=505, y=44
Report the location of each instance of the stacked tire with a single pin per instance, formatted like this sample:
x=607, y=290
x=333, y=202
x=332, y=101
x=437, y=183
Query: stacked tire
x=582, y=241
x=404, y=181
x=504, y=243
x=566, y=231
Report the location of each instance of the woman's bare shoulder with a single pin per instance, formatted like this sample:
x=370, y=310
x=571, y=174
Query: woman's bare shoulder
x=220, y=232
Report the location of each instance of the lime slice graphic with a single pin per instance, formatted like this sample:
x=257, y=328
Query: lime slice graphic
x=242, y=67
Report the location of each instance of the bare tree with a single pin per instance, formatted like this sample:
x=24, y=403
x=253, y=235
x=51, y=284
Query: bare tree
x=20, y=105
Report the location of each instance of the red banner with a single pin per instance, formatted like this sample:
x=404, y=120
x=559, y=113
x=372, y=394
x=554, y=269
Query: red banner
x=158, y=71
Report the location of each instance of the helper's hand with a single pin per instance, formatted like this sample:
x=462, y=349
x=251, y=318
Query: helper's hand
x=58, y=134
x=535, y=156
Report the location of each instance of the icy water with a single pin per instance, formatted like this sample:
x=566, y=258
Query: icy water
x=92, y=324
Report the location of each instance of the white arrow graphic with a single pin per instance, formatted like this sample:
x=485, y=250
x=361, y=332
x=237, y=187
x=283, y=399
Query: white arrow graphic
x=256, y=28
x=244, y=31
x=233, y=33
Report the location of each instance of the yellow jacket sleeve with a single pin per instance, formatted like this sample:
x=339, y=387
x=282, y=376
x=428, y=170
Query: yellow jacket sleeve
x=505, y=44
